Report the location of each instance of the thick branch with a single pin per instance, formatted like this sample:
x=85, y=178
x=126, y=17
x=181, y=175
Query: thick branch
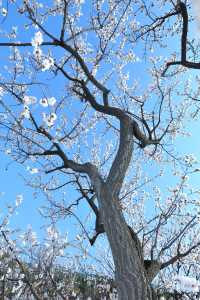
x=182, y=9
x=24, y=44
x=123, y=157
x=141, y=137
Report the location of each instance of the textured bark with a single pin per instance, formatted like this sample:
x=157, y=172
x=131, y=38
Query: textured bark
x=130, y=274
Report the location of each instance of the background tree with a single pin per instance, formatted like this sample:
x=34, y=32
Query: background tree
x=73, y=105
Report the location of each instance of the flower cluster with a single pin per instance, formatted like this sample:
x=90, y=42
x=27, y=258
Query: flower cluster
x=187, y=284
x=28, y=100
x=47, y=63
x=45, y=102
x=37, y=40
x=26, y=112
x=49, y=119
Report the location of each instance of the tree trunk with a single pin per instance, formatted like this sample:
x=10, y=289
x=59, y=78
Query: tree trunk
x=130, y=274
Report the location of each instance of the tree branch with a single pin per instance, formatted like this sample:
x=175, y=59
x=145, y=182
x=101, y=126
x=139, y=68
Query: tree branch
x=179, y=256
x=182, y=9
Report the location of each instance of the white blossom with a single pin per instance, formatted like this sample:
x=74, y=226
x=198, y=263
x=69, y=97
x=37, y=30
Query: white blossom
x=44, y=102
x=34, y=170
x=52, y=232
x=4, y=12
x=37, y=40
x=28, y=100
x=26, y=112
x=37, y=52
x=47, y=101
x=79, y=1
x=8, y=151
x=49, y=119
x=47, y=63
x=190, y=159
x=51, y=101
x=19, y=199
x=1, y=91
x=57, y=2
x=187, y=284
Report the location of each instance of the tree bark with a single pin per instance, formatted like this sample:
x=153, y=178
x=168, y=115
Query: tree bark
x=130, y=274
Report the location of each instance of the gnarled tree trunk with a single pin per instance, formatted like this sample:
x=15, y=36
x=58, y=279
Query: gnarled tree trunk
x=130, y=275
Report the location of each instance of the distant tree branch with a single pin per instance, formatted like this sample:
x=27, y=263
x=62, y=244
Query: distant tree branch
x=179, y=256
x=182, y=9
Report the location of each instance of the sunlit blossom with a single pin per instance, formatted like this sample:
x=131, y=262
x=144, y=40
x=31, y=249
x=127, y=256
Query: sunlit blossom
x=47, y=101
x=37, y=52
x=1, y=91
x=57, y=2
x=19, y=199
x=26, y=112
x=44, y=102
x=52, y=232
x=37, y=40
x=79, y=1
x=47, y=63
x=51, y=101
x=190, y=159
x=4, y=12
x=185, y=283
x=49, y=119
x=34, y=170
x=8, y=151
x=28, y=100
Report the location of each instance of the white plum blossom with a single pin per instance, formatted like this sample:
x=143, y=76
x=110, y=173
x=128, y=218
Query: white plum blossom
x=47, y=63
x=57, y=2
x=47, y=101
x=190, y=159
x=8, y=151
x=53, y=117
x=19, y=199
x=4, y=12
x=37, y=52
x=29, y=237
x=49, y=119
x=79, y=1
x=51, y=101
x=44, y=102
x=34, y=170
x=52, y=232
x=78, y=237
x=28, y=100
x=1, y=91
x=26, y=112
x=37, y=40
x=187, y=284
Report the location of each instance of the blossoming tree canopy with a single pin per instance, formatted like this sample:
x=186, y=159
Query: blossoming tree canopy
x=95, y=100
